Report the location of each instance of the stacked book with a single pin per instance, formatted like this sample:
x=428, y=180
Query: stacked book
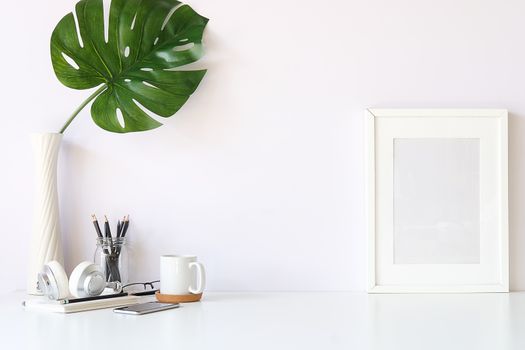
x=71, y=305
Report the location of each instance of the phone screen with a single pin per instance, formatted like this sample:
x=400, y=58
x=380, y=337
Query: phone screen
x=145, y=308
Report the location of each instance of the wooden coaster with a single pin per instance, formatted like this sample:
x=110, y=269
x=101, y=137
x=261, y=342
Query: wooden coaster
x=186, y=298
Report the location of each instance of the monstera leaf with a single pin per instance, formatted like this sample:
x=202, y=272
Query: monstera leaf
x=133, y=60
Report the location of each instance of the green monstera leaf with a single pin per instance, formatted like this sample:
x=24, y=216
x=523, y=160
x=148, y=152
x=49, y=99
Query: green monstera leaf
x=133, y=60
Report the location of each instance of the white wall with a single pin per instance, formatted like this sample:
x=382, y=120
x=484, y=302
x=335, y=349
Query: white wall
x=261, y=172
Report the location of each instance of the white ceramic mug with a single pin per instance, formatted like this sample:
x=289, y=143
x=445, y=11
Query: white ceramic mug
x=178, y=274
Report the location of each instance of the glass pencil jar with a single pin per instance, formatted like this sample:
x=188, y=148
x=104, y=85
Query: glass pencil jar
x=112, y=255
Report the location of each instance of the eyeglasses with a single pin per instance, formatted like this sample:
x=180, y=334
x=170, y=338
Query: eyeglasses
x=145, y=285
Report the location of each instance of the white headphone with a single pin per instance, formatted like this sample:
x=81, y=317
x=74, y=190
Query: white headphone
x=86, y=280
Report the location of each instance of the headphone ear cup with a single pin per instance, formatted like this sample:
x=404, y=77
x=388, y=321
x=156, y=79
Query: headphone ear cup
x=86, y=280
x=58, y=284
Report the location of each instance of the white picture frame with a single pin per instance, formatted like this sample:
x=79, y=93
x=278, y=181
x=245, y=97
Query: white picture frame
x=437, y=194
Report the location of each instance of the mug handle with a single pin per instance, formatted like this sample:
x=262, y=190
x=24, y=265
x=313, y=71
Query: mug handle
x=201, y=277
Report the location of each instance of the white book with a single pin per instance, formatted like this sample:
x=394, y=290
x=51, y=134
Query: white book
x=43, y=304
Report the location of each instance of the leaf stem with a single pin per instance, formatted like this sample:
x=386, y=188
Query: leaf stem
x=82, y=105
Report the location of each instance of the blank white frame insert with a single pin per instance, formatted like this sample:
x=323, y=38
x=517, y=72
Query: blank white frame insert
x=436, y=201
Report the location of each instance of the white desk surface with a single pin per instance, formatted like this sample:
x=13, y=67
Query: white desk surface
x=249, y=321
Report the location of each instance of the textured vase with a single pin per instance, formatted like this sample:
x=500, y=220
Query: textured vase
x=46, y=242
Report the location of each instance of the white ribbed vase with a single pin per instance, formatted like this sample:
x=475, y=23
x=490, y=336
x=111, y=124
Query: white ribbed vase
x=46, y=242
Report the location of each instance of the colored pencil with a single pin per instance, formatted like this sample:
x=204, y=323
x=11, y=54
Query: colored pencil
x=107, y=229
x=125, y=228
x=97, y=227
x=119, y=227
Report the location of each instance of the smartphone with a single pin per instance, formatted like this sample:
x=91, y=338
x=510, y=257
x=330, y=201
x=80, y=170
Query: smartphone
x=145, y=308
